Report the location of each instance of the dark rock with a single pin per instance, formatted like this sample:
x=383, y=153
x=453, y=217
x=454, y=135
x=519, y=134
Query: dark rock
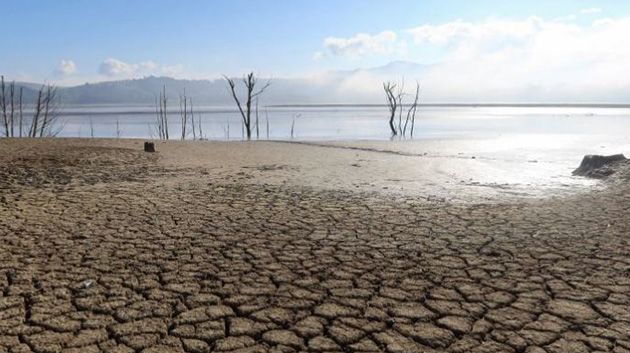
x=149, y=147
x=595, y=166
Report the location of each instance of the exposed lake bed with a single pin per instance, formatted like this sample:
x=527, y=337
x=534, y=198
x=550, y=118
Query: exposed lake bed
x=268, y=246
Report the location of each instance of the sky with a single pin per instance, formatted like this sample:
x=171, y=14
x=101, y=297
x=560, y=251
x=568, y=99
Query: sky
x=570, y=49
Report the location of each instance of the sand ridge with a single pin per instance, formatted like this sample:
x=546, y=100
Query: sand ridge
x=107, y=249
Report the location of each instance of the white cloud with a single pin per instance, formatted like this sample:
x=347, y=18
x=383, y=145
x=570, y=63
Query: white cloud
x=591, y=10
x=361, y=44
x=529, y=59
x=516, y=60
x=115, y=68
x=119, y=69
x=66, y=67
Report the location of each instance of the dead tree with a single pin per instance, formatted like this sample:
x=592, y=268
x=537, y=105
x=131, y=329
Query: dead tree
x=199, y=127
x=161, y=115
x=45, y=114
x=12, y=113
x=118, y=130
x=32, y=132
x=267, y=122
x=50, y=112
x=8, y=107
x=411, y=113
x=183, y=113
x=20, y=111
x=395, y=103
x=91, y=128
x=250, y=82
x=257, y=128
x=392, y=104
x=192, y=119
x=3, y=107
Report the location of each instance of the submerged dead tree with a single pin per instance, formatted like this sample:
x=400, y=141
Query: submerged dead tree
x=46, y=113
x=411, y=113
x=183, y=113
x=7, y=107
x=392, y=104
x=394, y=94
x=252, y=92
x=187, y=116
x=161, y=115
x=187, y=120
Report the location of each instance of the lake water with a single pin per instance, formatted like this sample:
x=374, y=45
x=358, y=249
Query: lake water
x=354, y=123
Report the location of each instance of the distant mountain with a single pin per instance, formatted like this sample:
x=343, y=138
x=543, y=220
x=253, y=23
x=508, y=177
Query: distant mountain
x=356, y=86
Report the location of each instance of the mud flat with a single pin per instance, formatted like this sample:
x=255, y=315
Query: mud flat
x=276, y=247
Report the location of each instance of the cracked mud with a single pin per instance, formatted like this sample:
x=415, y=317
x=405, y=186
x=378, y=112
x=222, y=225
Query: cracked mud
x=104, y=250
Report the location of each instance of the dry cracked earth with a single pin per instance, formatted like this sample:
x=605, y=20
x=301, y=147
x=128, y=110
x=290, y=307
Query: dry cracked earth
x=104, y=250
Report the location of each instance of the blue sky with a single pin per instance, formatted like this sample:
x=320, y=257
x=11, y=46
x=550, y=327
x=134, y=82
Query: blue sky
x=74, y=41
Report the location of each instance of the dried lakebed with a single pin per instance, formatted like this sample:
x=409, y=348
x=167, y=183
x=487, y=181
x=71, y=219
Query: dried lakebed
x=107, y=250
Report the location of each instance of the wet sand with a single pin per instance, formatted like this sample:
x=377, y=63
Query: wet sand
x=277, y=247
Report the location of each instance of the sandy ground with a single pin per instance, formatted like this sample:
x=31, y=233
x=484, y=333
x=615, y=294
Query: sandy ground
x=276, y=247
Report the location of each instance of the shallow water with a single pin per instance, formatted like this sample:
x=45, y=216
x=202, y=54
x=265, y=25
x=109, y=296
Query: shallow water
x=354, y=123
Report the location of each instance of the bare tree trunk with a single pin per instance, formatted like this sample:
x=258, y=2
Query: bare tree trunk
x=12, y=116
x=411, y=113
x=48, y=101
x=413, y=109
x=192, y=120
x=183, y=113
x=267, y=122
x=164, y=112
x=392, y=104
x=21, y=112
x=3, y=106
x=36, y=114
x=257, y=130
x=118, y=131
x=228, y=129
x=158, y=117
x=91, y=128
x=199, y=128
x=293, y=125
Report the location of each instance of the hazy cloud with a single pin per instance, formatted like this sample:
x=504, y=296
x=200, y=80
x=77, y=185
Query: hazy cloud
x=114, y=67
x=459, y=30
x=361, y=44
x=530, y=59
x=66, y=67
x=119, y=69
x=591, y=10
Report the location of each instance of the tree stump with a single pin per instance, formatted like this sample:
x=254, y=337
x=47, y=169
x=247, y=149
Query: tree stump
x=149, y=147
